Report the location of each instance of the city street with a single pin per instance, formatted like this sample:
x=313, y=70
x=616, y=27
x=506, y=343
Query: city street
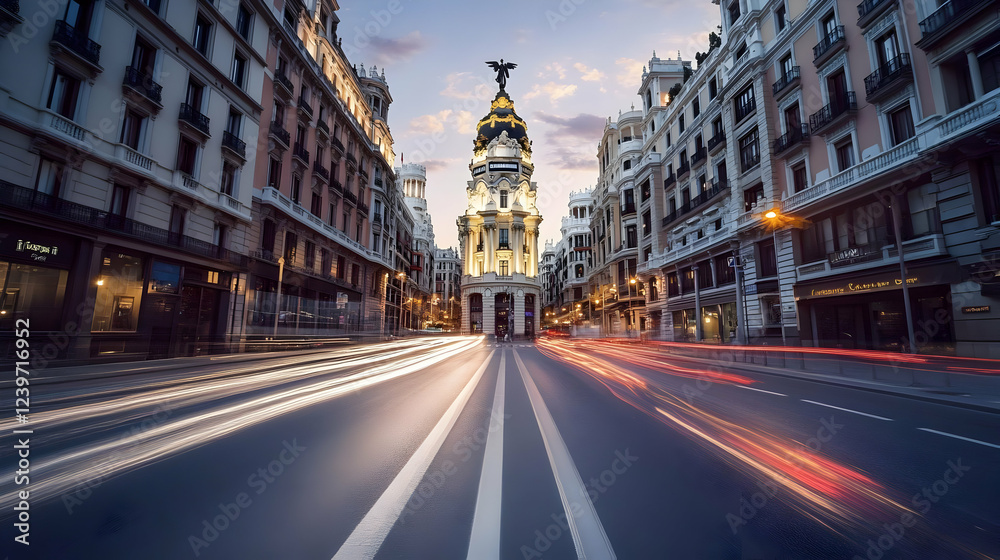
x=452, y=447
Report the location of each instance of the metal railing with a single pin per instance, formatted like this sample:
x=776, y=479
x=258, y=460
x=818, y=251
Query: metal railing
x=791, y=138
x=786, y=80
x=699, y=156
x=337, y=186
x=949, y=12
x=22, y=198
x=304, y=105
x=743, y=110
x=715, y=188
x=323, y=127
x=142, y=83
x=281, y=79
x=713, y=142
x=231, y=141
x=887, y=73
x=77, y=42
x=194, y=117
x=280, y=134
x=11, y=6
x=834, y=37
x=300, y=152
x=321, y=171
x=829, y=114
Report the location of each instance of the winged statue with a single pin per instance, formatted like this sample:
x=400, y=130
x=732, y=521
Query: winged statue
x=502, y=69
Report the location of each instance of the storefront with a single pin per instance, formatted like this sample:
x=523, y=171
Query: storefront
x=866, y=311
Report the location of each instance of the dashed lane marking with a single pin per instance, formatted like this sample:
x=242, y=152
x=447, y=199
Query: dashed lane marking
x=762, y=390
x=960, y=437
x=849, y=410
x=484, y=544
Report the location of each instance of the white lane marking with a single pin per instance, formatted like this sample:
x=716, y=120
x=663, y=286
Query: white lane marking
x=588, y=534
x=960, y=437
x=367, y=537
x=762, y=391
x=484, y=544
x=849, y=410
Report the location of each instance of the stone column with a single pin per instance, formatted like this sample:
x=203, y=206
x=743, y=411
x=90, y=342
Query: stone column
x=975, y=74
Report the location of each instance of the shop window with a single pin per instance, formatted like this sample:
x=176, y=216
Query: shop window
x=770, y=310
x=119, y=291
x=31, y=292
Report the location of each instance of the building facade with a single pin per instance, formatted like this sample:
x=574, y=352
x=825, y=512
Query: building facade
x=501, y=290
x=828, y=179
x=412, y=181
x=447, y=287
x=572, y=260
x=125, y=208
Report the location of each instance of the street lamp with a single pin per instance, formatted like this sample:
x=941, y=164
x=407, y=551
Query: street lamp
x=631, y=282
x=277, y=303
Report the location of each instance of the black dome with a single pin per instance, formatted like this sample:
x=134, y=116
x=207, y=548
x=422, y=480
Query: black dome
x=502, y=118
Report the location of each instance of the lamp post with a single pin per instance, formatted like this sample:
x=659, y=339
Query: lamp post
x=277, y=302
x=775, y=216
x=401, y=276
x=631, y=282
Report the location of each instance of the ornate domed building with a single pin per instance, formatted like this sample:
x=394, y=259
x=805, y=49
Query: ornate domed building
x=501, y=291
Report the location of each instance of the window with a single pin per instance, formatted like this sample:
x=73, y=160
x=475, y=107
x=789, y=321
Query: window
x=631, y=241
x=696, y=107
x=341, y=270
x=829, y=25
x=989, y=188
x=49, y=180
x=752, y=195
x=244, y=22
x=143, y=56
x=800, y=179
x=504, y=238
x=347, y=217
x=504, y=267
x=503, y=199
x=291, y=246
x=901, y=124
x=713, y=88
x=886, y=49
x=78, y=15
x=626, y=165
x=310, y=255
x=194, y=94
x=176, y=229
x=228, y=184
x=120, y=293
x=749, y=151
x=63, y=94
x=745, y=103
x=786, y=67
x=234, y=122
x=239, y=74
x=202, y=34
x=268, y=235
x=647, y=221
x=355, y=270
x=767, y=264
x=291, y=20
x=187, y=154
x=132, y=127
x=680, y=124
x=724, y=274
x=734, y=11
x=316, y=204
x=793, y=123
x=296, y=189
x=845, y=154
x=779, y=17
x=274, y=173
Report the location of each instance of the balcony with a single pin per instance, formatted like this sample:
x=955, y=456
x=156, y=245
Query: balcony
x=132, y=157
x=786, y=83
x=363, y=208
x=351, y=197
x=300, y=152
x=715, y=188
x=670, y=180
x=378, y=182
x=283, y=85
x=628, y=208
x=870, y=9
x=888, y=78
x=352, y=161
x=321, y=172
x=883, y=252
x=716, y=142
x=279, y=133
x=234, y=144
x=950, y=16
x=829, y=45
x=744, y=110
x=699, y=157
x=323, y=128
x=683, y=169
x=21, y=198
x=790, y=139
x=833, y=113
x=78, y=44
x=9, y=16
x=143, y=85
x=305, y=109
x=336, y=187
x=338, y=145
x=194, y=119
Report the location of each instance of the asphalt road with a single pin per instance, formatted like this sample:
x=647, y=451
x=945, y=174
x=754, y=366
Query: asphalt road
x=453, y=448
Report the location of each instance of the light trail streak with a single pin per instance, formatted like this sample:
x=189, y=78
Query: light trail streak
x=114, y=456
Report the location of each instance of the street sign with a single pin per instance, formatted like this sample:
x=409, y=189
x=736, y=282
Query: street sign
x=733, y=261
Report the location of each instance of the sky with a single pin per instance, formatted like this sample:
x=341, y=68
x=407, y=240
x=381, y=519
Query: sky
x=578, y=63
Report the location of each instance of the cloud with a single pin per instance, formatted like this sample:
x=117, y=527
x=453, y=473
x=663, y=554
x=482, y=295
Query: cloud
x=554, y=68
x=434, y=165
x=589, y=74
x=584, y=127
x=552, y=90
x=462, y=122
x=631, y=72
x=572, y=159
x=390, y=51
x=466, y=85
